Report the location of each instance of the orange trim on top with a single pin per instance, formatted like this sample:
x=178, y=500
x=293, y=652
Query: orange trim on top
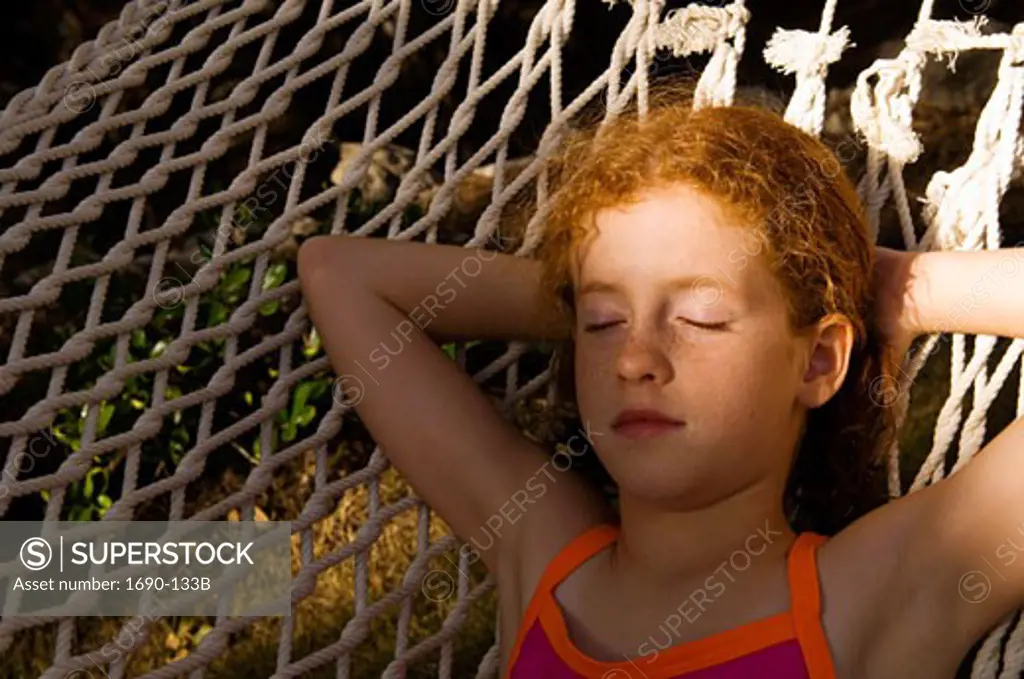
x=673, y=660
x=805, y=592
x=801, y=623
x=568, y=559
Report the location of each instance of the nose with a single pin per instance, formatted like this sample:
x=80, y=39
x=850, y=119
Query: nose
x=642, y=359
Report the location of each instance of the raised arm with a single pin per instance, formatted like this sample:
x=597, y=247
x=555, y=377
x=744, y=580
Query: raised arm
x=374, y=301
x=956, y=547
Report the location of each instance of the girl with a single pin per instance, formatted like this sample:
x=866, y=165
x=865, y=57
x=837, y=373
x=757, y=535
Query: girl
x=731, y=322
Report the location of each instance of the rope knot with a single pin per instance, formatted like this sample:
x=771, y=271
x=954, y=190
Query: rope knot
x=945, y=38
x=806, y=52
x=808, y=55
x=693, y=29
x=883, y=113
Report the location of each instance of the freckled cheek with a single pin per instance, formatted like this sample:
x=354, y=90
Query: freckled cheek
x=594, y=365
x=594, y=353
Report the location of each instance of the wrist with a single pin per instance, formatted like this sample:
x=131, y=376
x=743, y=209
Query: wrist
x=897, y=277
x=910, y=283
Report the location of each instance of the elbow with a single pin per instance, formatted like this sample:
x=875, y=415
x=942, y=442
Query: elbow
x=310, y=258
x=333, y=264
x=317, y=256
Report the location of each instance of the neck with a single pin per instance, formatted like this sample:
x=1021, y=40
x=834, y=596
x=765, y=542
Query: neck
x=663, y=545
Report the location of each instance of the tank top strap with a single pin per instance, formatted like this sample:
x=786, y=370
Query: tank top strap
x=805, y=601
x=575, y=553
x=566, y=560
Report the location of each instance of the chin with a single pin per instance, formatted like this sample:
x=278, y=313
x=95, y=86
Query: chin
x=676, y=488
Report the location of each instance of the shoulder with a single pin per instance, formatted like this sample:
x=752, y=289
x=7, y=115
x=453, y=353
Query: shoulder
x=542, y=561
x=882, y=596
x=562, y=509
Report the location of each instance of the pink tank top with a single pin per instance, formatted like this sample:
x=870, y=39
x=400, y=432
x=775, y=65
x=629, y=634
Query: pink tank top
x=789, y=645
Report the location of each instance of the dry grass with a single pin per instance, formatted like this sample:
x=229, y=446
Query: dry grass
x=320, y=618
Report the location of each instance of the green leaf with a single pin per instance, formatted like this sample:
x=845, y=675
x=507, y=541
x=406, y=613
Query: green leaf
x=158, y=349
x=305, y=416
x=449, y=349
x=302, y=393
x=311, y=344
x=139, y=338
x=238, y=277
x=319, y=388
x=87, y=486
x=247, y=397
x=200, y=633
x=106, y=412
x=218, y=312
x=269, y=308
x=244, y=214
x=176, y=450
x=275, y=276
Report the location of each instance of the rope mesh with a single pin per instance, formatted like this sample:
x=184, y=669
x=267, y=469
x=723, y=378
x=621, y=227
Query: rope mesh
x=96, y=146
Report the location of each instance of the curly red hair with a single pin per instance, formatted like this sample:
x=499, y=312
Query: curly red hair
x=792, y=189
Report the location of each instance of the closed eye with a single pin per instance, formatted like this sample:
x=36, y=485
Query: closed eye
x=705, y=326
x=598, y=327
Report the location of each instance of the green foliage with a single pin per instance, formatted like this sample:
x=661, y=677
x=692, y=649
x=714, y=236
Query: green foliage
x=161, y=454
x=90, y=498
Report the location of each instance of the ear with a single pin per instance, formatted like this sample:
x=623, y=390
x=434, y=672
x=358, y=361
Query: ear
x=829, y=344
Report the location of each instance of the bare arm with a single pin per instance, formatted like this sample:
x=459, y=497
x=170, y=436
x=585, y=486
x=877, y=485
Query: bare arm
x=451, y=292
x=976, y=293
x=372, y=300
x=953, y=545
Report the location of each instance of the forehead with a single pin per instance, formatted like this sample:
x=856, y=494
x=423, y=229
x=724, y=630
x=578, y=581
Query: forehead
x=674, y=232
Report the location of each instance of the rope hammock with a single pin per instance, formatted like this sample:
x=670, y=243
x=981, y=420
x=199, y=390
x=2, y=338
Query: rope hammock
x=90, y=147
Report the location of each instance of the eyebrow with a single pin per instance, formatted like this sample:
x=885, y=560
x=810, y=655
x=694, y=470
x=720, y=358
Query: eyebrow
x=671, y=284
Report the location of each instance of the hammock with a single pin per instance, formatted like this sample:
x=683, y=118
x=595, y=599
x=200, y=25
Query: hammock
x=92, y=146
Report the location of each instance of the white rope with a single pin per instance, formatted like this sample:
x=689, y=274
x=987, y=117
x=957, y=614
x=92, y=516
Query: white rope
x=883, y=113
x=963, y=205
x=694, y=29
x=808, y=55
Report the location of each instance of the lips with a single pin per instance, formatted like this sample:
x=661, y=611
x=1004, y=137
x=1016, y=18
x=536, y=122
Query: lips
x=644, y=423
